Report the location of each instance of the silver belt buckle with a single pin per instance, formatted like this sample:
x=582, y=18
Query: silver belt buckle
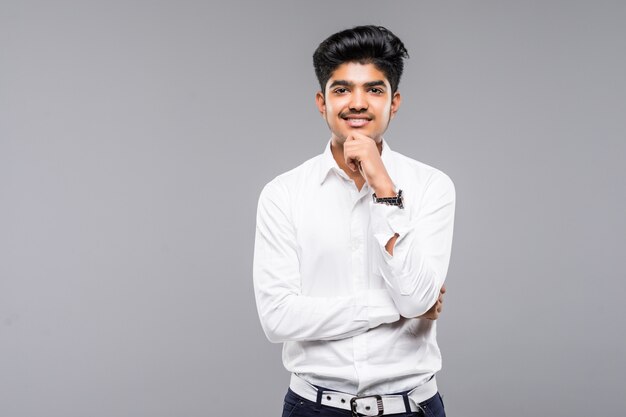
x=379, y=404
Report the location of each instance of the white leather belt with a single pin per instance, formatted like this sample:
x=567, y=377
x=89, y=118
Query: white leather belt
x=367, y=405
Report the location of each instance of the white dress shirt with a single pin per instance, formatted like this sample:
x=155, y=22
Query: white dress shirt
x=326, y=287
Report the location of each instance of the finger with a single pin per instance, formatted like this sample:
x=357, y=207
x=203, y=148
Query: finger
x=443, y=289
x=359, y=136
x=350, y=157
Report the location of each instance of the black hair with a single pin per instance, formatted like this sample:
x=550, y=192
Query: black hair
x=365, y=45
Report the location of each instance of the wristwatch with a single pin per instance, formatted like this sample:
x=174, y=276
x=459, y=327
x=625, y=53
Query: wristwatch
x=397, y=200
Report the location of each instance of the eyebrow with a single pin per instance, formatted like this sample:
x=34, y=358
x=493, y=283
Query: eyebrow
x=345, y=83
x=376, y=83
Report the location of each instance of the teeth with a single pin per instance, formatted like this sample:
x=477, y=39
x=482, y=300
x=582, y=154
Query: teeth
x=357, y=122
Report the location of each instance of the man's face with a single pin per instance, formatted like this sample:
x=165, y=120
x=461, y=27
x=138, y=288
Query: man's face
x=357, y=98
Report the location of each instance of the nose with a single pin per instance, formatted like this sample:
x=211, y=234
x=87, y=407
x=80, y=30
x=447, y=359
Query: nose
x=358, y=101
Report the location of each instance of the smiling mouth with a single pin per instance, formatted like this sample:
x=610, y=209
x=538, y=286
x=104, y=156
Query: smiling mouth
x=353, y=122
x=356, y=121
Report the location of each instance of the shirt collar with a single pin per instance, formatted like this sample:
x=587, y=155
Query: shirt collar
x=328, y=162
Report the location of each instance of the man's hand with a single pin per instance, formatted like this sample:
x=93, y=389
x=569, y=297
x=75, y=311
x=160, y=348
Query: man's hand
x=362, y=154
x=433, y=313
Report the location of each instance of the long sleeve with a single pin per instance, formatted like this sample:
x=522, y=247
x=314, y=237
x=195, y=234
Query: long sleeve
x=418, y=267
x=285, y=313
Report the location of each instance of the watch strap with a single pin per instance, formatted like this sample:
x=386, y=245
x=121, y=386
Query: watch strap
x=396, y=200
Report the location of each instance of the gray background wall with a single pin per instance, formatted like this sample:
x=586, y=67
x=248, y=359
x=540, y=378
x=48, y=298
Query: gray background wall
x=136, y=136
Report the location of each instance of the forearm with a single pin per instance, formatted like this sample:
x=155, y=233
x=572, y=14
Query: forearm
x=293, y=317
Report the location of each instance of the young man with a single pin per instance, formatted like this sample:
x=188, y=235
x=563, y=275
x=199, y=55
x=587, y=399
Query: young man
x=352, y=249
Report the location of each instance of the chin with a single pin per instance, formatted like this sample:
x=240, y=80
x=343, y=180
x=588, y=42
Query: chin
x=340, y=137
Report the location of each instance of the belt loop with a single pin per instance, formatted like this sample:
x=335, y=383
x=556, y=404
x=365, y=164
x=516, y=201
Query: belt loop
x=407, y=405
x=318, y=402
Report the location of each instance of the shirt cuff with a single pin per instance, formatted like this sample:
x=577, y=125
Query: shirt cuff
x=376, y=307
x=386, y=221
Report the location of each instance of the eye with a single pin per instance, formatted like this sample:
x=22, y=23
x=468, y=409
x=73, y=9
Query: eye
x=340, y=90
x=377, y=90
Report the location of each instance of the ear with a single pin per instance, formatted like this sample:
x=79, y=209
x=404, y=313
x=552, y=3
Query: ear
x=396, y=100
x=321, y=103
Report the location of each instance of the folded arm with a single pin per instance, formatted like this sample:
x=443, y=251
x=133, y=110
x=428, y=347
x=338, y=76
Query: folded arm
x=415, y=244
x=285, y=313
